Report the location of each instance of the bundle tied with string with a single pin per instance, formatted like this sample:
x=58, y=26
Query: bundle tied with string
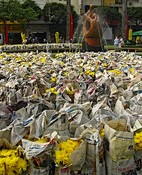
x=119, y=147
x=39, y=155
x=65, y=155
x=12, y=160
x=138, y=144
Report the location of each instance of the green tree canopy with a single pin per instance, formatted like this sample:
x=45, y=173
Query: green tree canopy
x=57, y=13
x=10, y=10
x=135, y=15
x=29, y=15
x=109, y=14
x=32, y=9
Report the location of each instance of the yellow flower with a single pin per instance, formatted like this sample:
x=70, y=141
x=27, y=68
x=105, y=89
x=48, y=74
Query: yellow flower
x=42, y=60
x=115, y=71
x=52, y=90
x=105, y=65
x=11, y=162
x=53, y=79
x=62, y=156
x=102, y=133
x=42, y=140
x=18, y=59
x=65, y=73
x=89, y=72
x=1, y=57
x=138, y=140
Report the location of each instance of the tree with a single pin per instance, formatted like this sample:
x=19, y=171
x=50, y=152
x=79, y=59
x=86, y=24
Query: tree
x=109, y=14
x=68, y=7
x=32, y=8
x=29, y=15
x=55, y=13
x=135, y=15
x=31, y=12
x=9, y=11
x=124, y=20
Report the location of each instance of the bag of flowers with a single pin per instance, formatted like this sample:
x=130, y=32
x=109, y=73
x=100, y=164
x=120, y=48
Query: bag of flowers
x=61, y=99
x=77, y=118
x=136, y=103
x=5, y=115
x=39, y=154
x=119, y=148
x=81, y=95
x=58, y=122
x=12, y=160
x=39, y=124
x=70, y=89
x=95, y=161
x=77, y=115
x=138, y=145
x=70, y=156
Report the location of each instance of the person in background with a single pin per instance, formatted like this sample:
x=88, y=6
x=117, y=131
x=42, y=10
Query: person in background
x=121, y=42
x=116, y=43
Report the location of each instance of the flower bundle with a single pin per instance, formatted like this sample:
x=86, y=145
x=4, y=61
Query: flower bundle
x=11, y=163
x=91, y=73
x=138, y=140
x=62, y=155
x=115, y=71
x=52, y=90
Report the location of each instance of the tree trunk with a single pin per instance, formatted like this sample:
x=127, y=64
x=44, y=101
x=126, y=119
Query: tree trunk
x=124, y=19
x=68, y=21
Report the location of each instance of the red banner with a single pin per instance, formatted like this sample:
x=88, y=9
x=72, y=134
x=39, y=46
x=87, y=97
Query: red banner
x=6, y=33
x=71, y=26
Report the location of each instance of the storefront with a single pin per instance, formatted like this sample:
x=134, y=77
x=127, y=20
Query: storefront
x=12, y=31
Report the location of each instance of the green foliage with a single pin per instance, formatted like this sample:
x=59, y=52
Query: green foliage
x=29, y=14
x=30, y=4
x=135, y=15
x=56, y=13
x=108, y=13
x=3, y=11
x=10, y=10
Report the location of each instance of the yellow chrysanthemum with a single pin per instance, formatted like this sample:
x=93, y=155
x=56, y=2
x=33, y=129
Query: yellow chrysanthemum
x=52, y=90
x=62, y=155
x=42, y=140
x=138, y=140
x=18, y=59
x=65, y=73
x=11, y=162
x=1, y=57
x=53, y=79
x=115, y=71
x=102, y=133
x=42, y=60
